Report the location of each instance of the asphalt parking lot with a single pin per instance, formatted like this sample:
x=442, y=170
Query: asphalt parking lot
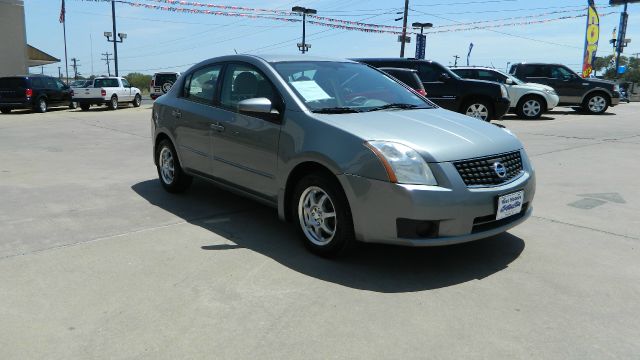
x=97, y=261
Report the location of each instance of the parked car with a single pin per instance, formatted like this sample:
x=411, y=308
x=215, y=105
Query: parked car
x=161, y=83
x=109, y=91
x=342, y=150
x=36, y=92
x=480, y=99
x=528, y=100
x=81, y=83
x=408, y=77
x=592, y=95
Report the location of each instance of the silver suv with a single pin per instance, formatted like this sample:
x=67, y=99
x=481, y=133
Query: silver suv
x=342, y=150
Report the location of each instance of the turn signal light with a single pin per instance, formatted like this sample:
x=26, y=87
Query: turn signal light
x=28, y=92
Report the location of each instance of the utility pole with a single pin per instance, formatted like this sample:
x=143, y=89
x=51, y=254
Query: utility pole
x=106, y=58
x=637, y=55
x=60, y=72
x=456, y=62
x=75, y=67
x=404, y=27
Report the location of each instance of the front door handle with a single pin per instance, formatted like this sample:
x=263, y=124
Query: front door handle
x=176, y=113
x=217, y=127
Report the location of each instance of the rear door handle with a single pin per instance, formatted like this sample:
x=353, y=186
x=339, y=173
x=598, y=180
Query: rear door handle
x=176, y=113
x=217, y=127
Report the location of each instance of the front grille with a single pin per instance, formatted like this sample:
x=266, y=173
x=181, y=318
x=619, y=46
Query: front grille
x=480, y=172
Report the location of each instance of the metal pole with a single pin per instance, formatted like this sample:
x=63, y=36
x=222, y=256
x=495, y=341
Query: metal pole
x=115, y=43
x=304, y=21
x=64, y=31
x=404, y=27
x=621, y=38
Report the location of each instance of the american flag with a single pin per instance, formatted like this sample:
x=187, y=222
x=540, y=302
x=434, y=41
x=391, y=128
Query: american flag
x=62, y=12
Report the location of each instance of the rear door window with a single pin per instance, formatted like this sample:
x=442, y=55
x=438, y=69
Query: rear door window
x=203, y=84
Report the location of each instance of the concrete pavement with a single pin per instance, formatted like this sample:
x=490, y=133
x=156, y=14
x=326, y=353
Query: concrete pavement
x=97, y=261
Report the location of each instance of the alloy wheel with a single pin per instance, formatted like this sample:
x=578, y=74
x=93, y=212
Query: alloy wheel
x=317, y=216
x=531, y=108
x=478, y=111
x=167, y=169
x=42, y=104
x=597, y=104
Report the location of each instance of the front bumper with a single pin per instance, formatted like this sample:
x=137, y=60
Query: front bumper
x=461, y=213
x=552, y=100
x=501, y=107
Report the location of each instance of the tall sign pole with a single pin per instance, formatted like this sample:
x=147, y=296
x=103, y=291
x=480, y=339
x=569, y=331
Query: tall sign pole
x=63, y=20
x=404, y=27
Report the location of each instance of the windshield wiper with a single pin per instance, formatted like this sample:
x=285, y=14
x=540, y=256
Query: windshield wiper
x=396, y=106
x=336, y=110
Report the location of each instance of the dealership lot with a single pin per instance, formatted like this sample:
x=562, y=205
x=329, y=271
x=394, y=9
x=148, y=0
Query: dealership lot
x=97, y=261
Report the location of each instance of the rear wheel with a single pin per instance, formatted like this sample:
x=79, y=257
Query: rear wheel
x=5, y=110
x=323, y=216
x=41, y=105
x=530, y=107
x=137, y=100
x=73, y=105
x=596, y=103
x=85, y=107
x=479, y=109
x=170, y=173
x=113, y=103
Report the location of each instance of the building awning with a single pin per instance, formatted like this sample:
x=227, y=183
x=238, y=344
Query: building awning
x=38, y=57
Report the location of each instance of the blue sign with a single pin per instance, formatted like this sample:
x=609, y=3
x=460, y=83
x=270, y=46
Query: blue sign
x=622, y=69
x=421, y=44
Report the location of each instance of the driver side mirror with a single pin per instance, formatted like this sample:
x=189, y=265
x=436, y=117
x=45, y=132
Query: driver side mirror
x=257, y=106
x=508, y=81
x=444, y=77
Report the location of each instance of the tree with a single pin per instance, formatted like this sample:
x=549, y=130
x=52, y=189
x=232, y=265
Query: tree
x=141, y=81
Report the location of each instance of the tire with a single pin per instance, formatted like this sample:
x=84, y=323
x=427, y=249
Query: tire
x=322, y=214
x=73, y=105
x=530, y=107
x=41, y=105
x=113, y=103
x=596, y=103
x=170, y=173
x=137, y=100
x=85, y=107
x=5, y=110
x=479, y=109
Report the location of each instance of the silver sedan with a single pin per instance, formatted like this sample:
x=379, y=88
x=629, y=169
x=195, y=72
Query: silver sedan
x=342, y=150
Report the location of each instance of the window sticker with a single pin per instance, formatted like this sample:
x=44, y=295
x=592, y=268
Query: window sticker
x=310, y=90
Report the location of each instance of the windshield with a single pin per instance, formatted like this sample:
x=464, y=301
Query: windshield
x=336, y=87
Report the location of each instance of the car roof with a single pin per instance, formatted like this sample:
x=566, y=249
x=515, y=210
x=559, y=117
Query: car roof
x=398, y=69
x=538, y=63
x=392, y=59
x=473, y=67
x=274, y=58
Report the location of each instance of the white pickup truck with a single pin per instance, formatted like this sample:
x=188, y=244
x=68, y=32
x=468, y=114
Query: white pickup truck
x=107, y=90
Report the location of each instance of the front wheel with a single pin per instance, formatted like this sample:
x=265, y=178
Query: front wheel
x=113, y=103
x=172, y=177
x=596, y=104
x=530, y=108
x=478, y=109
x=323, y=216
x=137, y=100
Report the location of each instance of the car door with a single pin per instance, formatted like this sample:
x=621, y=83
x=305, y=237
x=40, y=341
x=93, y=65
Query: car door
x=245, y=145
x=65, y=92
x=54, y=95
x=567, y=84
x=126, y=92
x=194, y=114
x=439, y=90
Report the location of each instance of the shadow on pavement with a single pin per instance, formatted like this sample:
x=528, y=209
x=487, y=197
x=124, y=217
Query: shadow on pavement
x=517, y=118
x=380, y=268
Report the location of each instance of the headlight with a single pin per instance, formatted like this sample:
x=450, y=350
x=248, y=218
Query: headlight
x=616, y=87
x=503, y=90
x=403, y=164
x=549, y=91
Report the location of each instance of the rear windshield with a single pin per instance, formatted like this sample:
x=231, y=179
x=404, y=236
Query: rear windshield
x=164, y=78
x=12, y=83
x=105, y=83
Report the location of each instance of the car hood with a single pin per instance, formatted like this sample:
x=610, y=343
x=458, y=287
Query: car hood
x=539, y=86
x=439, y=135
x=601, y=82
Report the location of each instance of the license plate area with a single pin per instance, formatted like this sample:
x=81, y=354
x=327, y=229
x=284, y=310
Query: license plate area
x=510, y=204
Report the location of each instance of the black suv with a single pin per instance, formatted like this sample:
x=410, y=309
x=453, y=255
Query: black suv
x=592, y=95
x=481, y=99
x=37, y=92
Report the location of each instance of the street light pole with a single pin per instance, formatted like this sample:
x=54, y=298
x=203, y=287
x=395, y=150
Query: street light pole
x=115, y=43
x=303, y=46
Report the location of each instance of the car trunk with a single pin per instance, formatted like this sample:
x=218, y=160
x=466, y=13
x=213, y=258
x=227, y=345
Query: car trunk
x=12, y=89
